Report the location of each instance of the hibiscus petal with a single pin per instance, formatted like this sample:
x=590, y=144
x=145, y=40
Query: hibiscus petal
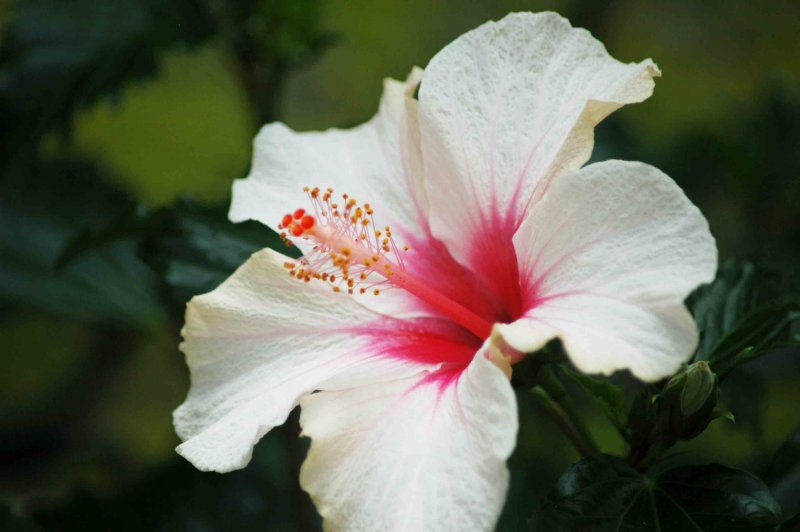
x=607, y=258
x=502, y=110
x=262, y=339
x=414, y=454
x=374, y=162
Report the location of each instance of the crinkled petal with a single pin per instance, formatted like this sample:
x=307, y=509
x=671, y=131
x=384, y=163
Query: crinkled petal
x=502, y=110
x=378, y=162
x=607, y=258
x=415, y=454
x=374, y=162
x=262, y=339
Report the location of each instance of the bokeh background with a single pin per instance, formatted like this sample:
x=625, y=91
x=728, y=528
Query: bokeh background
x=122, y=125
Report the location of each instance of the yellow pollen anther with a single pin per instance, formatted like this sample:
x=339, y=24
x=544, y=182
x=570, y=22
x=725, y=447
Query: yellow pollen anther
x=347, y=246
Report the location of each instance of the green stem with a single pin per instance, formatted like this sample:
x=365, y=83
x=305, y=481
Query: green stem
x=549, y=381
x=575, y=433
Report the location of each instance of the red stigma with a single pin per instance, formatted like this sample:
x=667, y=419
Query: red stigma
x=286, y=220
x=299, y=213
x=296, y=230
x=307, y=222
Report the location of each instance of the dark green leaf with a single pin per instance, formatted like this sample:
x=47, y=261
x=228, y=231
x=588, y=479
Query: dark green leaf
x=783, y=473
x=604, y=493
x=740, y=318
x=763, y=330
x=41, y=207
x=196, y=248
x=192, y=247
x=135, y=221
x=718, y=306
x=608, y=396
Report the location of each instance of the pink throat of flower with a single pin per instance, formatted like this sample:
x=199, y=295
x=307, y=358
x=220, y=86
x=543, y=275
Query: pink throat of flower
x=349, y=252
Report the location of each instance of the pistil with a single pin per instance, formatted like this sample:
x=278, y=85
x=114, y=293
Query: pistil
x=348, y=249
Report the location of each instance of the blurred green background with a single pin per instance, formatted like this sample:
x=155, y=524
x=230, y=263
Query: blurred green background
x=112, y=111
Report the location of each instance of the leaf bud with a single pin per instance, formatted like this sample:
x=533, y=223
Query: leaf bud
x=691, y=396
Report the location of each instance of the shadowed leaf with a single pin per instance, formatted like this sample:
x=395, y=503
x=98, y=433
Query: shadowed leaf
x=604, y=493
x=196, y=247
x=42, y=206
x=608, y=396
x=739, y=318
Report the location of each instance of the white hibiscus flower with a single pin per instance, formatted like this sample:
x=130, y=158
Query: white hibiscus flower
x=405, y=394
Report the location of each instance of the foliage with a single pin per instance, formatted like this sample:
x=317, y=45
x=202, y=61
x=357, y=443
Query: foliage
x=734, y=329
x=604, y=493
x=191, y=247
x=719, y=305
x=609, y=396
x=42, y=206
x=782, y=474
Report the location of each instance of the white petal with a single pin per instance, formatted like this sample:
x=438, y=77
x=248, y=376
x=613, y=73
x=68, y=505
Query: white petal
x=373, y=162
x=260, y=341
x=412, y=455
x=502, y=110
x=607, y=258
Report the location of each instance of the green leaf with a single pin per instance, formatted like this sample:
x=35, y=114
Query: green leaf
x=192, y=247
x=604, y=493
x=196, y=247
x=42, y=206
x=783, y=473
x=608, y=396
x=739, y=318
x=718, y=306
x=763, y=330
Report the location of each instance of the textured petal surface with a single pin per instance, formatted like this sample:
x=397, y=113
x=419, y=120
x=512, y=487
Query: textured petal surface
x=502, y=110
x=607, y=258
x=378, y=162
x=374, y=162
x=414, y=454
x=262, y=339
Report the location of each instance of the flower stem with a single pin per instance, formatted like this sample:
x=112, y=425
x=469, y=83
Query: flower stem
x=549, y=381
x=555, y=400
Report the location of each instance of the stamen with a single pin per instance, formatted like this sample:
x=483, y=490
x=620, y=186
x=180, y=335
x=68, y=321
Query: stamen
x=346, y=256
